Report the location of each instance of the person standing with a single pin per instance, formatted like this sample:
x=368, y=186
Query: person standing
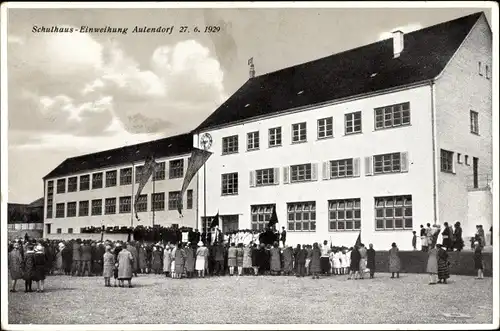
x=447, y=237
x=190, y=260
x=423, y=238
x=108, y=266
x=432, y=265
x=370, y=253
x=40, y=267
x=66, y=254
x=156, y=260
x=86, y=258
x=29, y=267
x=481, y=236
x=142, y=263
x=201, y=259
x=301, y=261
x=76, y=266
x=443, y=265
x=231, y=258
x=167, y=260
x=255, y=261
x=478, y=260
x=325, y=258
x=287, y=260
x=275, y=259
x=133, y=250
x=354, y=266
x=15, y=266
x=458, y=244
x=125, y=266
x=283, y=236
x=219, y=260
x=315, y=265
x=394, y=260
x=247, y=258
x=180, y=261
x=362, y=262
x=414, y=240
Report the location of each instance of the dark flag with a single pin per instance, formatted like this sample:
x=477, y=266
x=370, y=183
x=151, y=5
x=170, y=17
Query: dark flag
x=274, y=218
x=358, y=241
x=250, y=61
x=215, y=221
x=147, y=171
x=197, y=160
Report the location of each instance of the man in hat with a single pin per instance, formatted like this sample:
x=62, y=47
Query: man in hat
x=76, y=266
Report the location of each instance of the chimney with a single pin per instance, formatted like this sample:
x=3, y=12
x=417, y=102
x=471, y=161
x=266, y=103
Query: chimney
x=252, y=71
x=398, y=42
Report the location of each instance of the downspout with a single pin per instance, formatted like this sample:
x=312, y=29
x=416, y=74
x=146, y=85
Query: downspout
x=434, y=152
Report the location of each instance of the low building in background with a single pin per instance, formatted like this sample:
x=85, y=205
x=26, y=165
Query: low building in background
x=25, y=219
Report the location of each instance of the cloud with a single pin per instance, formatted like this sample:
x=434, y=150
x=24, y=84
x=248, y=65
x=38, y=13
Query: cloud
x=406, y=29
x=73, y=84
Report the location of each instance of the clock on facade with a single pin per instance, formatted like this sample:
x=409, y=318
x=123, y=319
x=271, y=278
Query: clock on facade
x=206, y=141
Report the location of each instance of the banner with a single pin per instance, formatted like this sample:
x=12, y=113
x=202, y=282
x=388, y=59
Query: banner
x=358, y=241
x=274, y=218
x=197, y=160
x=147, y=171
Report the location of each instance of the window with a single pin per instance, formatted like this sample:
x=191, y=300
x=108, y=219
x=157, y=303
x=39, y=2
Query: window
x=341, y=168
x=126, y=176
x=393, y=213
x=189, y=199
x=50, y=187
x=72, y=184
x=176, y=169
x=459, y=158
x=447, y=161
x=97, y=180
x=275, y=137
x=96, y=207
x=159, y=173
x=142, y=203
x=264, y=177
x=299, y=132
x=474, y=122
x=392, y=116
x=125, y=204
x=480, y=69
x=261, y=214
x=301, y=173
x=173, y=198
x=49, y=211
x=84, y=182
x=353, y=123
x=325, y=128
x=302, y=216
x=59, y=230
x=138, y=173
x=158, y=201
x=253, y=141
x=467, y=160
x=61, y=185
x=230, y=183
x=71, y=209
x=387, y=163
x=83, y=208
x=487, y=72
x=344, y=215
x=111, y=178
x=110, y=206
x=60, y=210
x=70, y=230
x=230, y=145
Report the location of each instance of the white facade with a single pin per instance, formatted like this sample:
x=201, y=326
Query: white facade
x=415, y=140
x=61, y=226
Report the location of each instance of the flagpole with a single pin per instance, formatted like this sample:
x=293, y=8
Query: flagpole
x=132, y=197
x=154, y=172
x=204, y=193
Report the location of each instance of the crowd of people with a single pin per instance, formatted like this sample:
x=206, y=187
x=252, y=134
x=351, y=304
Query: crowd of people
x=214, y=254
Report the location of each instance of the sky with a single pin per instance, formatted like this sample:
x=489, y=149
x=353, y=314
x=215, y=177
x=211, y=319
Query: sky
x=77, y=93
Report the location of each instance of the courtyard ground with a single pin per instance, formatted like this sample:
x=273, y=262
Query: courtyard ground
x=256, y=300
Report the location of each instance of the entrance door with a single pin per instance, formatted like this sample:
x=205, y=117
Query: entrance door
x=47, y=228
x=475, y=162
x=230, y=223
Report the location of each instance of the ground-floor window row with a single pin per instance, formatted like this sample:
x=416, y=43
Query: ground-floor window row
x=396, y=162
x=121, y=205
x=391, y=213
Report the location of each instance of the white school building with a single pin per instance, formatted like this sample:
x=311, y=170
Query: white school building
x=378, y=139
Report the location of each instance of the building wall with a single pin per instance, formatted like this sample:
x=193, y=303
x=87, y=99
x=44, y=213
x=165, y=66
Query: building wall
x=480, y=211
x=460, y=89
x=164, y=218
x=415, y=139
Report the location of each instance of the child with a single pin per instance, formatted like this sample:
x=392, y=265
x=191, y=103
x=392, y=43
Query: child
x=332, y=257
x=414, y=240
x=346, y=261
x=308, y=258
x=108, y=266
x=478, y=260
x=336, y=262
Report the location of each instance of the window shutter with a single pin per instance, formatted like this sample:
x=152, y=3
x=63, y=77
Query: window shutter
x=326, y=170
x=355, y=167
x=252, y=178
x=286, y=175
x=314, y=171
x=276, y=176
x=369, y=165
x=404, y=162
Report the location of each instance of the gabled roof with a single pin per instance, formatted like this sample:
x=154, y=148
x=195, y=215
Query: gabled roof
x=37, y=203
x=347, y=74
x=166, y=147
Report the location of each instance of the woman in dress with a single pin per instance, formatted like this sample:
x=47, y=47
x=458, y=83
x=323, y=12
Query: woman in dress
x=315, y=264
x=443, y=265
x=354, y=259
x=458, y=244
x=432, y=264
x=190, y=260
x=156, y=260
x=142, y=253
x=180, y=261
x=275, y=259
x=345, y=261
x=478, y=260
x=337, y=261
x=255, y=260
x=231, y=258
x=117, y=250
x=394, y=261
x=29, y=267
x=15, y=265
x=247, y=259
x=108, y=266
x=288, y=260
x=201, y=259
x=167, y=260
x=125, y=266
x=59, y=259
x=239, y=258
x=325, y=258
x=40, y=267
x=67, y=257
